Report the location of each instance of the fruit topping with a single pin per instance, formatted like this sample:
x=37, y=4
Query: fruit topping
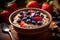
x=58, y=17
x=42, y=16
x=28, y=21
x=21, y=12
x=19, y=20
x=27, y=13
x=21, y=17
x=33, y=22
x=38, y=18
x=22, y=23
x=39, y=22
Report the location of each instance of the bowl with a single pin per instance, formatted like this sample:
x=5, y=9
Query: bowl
x=44, y=29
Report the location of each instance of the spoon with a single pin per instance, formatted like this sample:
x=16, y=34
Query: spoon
x=5, y=28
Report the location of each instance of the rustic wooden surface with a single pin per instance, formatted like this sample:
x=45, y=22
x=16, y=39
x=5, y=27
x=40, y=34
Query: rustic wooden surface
x=5, y=36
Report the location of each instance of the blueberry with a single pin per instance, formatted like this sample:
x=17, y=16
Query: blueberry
x=58, y=23
x=28, y=21
x=19, y=20
x=28, y=16
x=33, y=22
x=28, y=13
x=31, y=17
x=42, y=16
x=37, y=14
x=54, y=17
x=24, y=19
x=39, y=22
x=55, y=30
x=21, y=17
x=21, y=12
x=54, y=14
x=58, y=17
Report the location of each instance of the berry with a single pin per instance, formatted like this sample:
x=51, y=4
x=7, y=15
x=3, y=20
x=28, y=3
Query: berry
x=39, y=22
x=21, y=17
x=54, y=17
x=32, y=4
x=37, y=14
x=55, y=30
x=38, y=18
x=31, y=17
x=21, y=12
x=58, y=17
x=28, y=13
x=28, y=21
x=28, y=16
x=22, y=23
x=19, y=20
x=4, y=14
x=54, y=14
x=42, y=16
x=58, y=23
x=34, y=22
x=6, y=20
x=12, y=7
x=46, y=6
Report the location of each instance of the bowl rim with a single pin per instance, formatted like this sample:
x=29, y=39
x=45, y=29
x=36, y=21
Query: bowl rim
x=30, y=8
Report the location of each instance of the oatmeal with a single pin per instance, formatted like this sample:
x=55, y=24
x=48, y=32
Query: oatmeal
x=30, y=19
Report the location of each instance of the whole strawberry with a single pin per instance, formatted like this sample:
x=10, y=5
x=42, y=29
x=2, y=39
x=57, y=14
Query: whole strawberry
x=32, y=4
x=46, y=6
x=6, y=20
x=12, y=7
x=4, y=14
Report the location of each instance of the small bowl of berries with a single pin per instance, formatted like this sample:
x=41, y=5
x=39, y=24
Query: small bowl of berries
x=31, y=21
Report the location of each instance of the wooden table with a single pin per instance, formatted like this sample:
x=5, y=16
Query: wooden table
x=5, y=36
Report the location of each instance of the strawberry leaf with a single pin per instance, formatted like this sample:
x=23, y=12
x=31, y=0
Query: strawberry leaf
x=27, y=1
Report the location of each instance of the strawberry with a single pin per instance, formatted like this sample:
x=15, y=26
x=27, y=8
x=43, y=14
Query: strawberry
x=21, y=23
x=46, y=6
x=12, y=7
x=6, y=20
x=4, y=14
x=23, y=14
x=32, y=4
x=38, y=18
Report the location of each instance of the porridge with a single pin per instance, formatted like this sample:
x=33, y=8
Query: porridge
x=30, y=19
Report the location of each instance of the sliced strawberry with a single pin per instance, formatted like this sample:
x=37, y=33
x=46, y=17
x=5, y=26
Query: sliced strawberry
x=23, y=14
x=22, y=23
x=38, y=18
x=30, y=11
